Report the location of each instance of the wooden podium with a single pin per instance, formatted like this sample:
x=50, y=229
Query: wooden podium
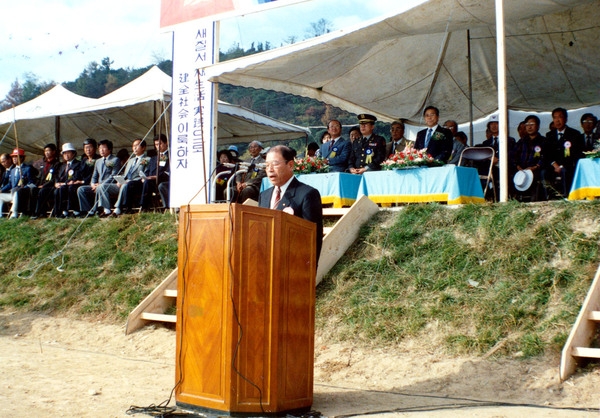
x=245, y=311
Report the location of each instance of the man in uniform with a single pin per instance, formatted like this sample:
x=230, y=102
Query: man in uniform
x=368, y=152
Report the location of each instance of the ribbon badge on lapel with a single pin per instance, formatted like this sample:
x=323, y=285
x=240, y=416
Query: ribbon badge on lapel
x=369, y=157
x=538, y=151
x=49, y=176
x=567, y=148
x=333, y=152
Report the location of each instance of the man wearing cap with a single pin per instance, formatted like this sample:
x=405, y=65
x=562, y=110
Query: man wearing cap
x=22, y=178
x=529, y=155
x=437, y=140
x=68, y=181
x=248, y=184
x=565, y=147
x=337, y=150
x=369, y=152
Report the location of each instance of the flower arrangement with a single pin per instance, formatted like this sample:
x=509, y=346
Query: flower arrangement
x=308, y=165
x=90, y=162
x=144, y=161
x=410, y=157
x=595, y=153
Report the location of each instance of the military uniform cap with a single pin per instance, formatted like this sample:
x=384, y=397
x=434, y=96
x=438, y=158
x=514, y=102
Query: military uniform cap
x=366, y=118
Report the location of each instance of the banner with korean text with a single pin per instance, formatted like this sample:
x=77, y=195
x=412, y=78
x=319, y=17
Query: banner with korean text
x=192, y=143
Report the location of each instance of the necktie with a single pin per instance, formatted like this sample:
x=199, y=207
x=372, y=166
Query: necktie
x=588, y=141
x=277, y=197
x=494, y=141
x=429, y=131
x=560, y=136
x=331, y=145
x=132, y=168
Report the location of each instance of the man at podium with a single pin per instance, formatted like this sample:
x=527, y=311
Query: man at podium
x=288, y=194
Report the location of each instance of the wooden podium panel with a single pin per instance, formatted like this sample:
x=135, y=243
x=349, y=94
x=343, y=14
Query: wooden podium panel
x=245, y=307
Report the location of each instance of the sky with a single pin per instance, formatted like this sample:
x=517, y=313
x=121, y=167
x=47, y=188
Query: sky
x=56, y=39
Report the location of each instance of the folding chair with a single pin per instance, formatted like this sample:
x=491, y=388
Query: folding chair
x=486, y=154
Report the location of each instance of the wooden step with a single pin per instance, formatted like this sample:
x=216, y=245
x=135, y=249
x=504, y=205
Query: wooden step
x=594, y=316
x=149, y=316
x=586, y=352
x=583, y=333
x=327, y=229
x=335, y=211
x=170, y=293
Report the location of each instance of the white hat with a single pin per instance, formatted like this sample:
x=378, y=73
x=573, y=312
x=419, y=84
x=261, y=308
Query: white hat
x=523, y=180
x=494, y=118
x=68, y=147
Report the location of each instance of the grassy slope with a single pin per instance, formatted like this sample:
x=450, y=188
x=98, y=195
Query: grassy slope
x=509, y=276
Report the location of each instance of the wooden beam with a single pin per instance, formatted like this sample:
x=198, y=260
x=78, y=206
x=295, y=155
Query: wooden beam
x=343, y=234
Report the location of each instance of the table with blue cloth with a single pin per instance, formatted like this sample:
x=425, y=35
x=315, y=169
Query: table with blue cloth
x=449, y=184
x=336, y=189
x=586, y=182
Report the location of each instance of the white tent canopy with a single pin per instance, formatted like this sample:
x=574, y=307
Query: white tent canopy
x=129, y=112
x=394, y=66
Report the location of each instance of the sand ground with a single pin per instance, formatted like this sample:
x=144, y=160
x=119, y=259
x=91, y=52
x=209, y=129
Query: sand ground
x=61, y=367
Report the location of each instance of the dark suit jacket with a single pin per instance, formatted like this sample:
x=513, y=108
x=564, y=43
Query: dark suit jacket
x=76, y=168
x=440, y=145
x=556, y=148
x=338, y=156
x=304, y=200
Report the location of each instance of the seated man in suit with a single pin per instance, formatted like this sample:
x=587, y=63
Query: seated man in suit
x=22, y=180
x=156, y=177
x=247, y=185
x=437, y=140
x=397, y=140
x=41, y=197
x=337, y=150
x=289, y=194
x=105, y=170
x=565, y=147
x=130, y=189
x=69, y=179
x=5, y=186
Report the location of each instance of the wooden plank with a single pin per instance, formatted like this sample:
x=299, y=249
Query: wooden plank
x=327, y=230
x=149, y=316
x=170, y=293
x=343, y=234
x=583, y=331
x=594, y=316
x=335, y=211
x=586, y=352
x=154, y=302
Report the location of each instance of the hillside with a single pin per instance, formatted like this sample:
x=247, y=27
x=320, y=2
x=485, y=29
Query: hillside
x=506, y=277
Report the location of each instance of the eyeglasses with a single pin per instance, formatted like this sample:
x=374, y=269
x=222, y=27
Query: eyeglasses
x=531, y=124
x=588, y=121
x=273, y=164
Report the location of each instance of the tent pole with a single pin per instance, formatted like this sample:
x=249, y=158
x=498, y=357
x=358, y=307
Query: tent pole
x=502, y=102
x=57, y=132
x=470, y=87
